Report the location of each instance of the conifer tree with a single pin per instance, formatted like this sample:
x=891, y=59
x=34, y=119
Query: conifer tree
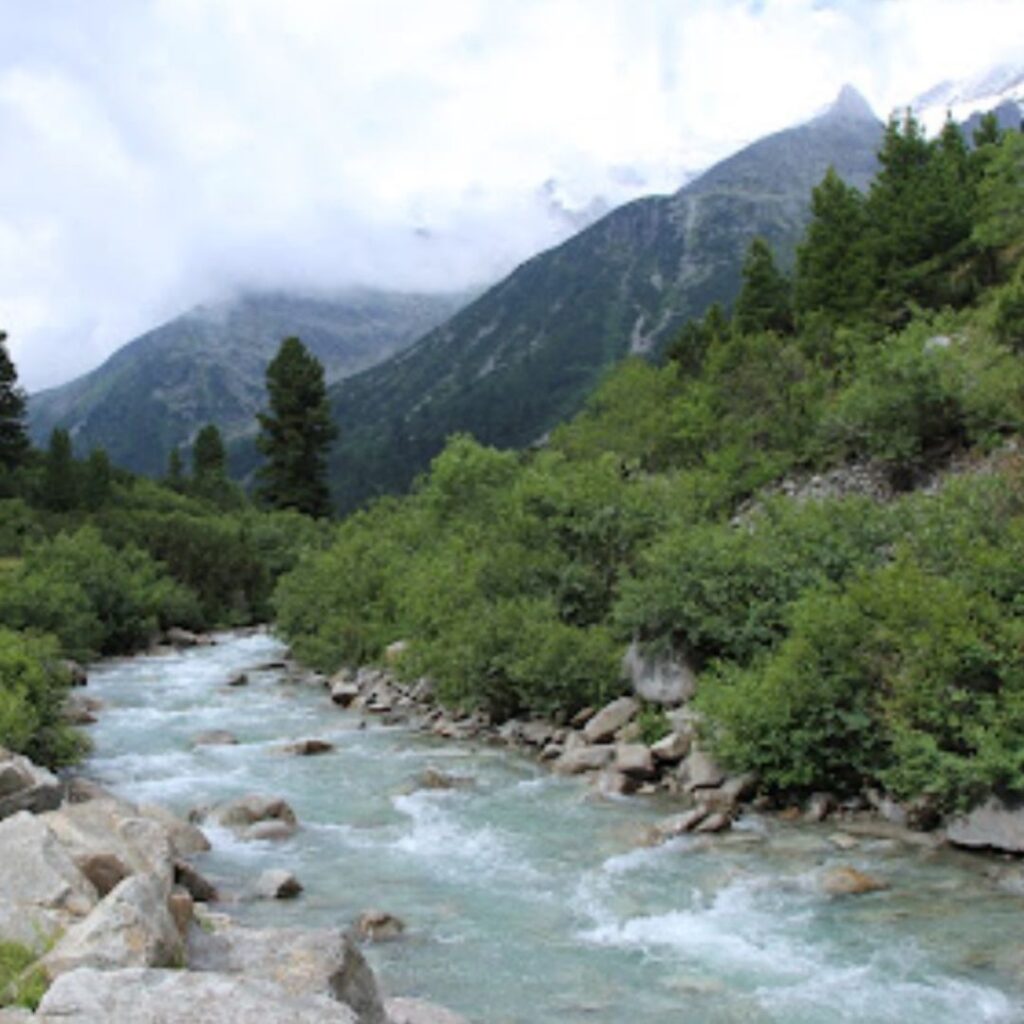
x=14, y=444
x=175, y=478
x=296, y=432
x=834, y=275
x=764, y=302
x=209, y=459
x=97, y=477
x=60, y=490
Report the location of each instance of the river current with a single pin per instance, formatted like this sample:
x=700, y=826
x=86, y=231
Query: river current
x=529, y=900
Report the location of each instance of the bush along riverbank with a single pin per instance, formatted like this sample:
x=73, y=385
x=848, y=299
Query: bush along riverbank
x=103, y=918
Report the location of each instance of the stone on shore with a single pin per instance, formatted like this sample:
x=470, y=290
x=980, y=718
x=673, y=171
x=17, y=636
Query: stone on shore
x=700, y=771
x=344, y=692
x=181, y=638
x=610, y=719
x=584, y=759
x=25, y=786
x=679, y=824
x=994, y=825
x=131, y=927
x=195, y=884
x=278, y=884
x=42, y=891
x=150, y=996
x=635, y=760
x=672, y=748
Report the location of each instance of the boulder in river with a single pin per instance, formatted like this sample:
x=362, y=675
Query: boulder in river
x=584, y=759
x=178, y=637
x=848, y=881
x=308, y=748
x=996, y=825
x=278, y=884
x=257, y=816
x=635, y=760
x=700, y=771
x=25, y=786
x=344, y=692
x=434, y=778
x=195, y=884
x=239, y=679
x=379, y=926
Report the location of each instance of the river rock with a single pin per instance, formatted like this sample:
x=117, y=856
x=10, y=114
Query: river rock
x=434, y=778
x=278, y=884
x=241, y=679
x=178, y=637
x=581, y=717
x=995, y=825
x=104, y=870
x=717, y=821
x=150, y=996
x=678, y=824
x=76, y=673
x=634, y=760
x=672, y=748
x=584, y=759
x=215, y=738
x=301, y=962
x=418, y=1011
x=700, y=771
x=819, y=807
x=344, y=692
x=308, y=748
x=80, y=709
x=185, y=838
x=25, y=786
x=659, y=679
x=610, y=719
x=847, y=881
x=131, y=927
x=195, y=884
x=379, y=926
x=114, y=829
x=42, y=891
x=257, y=816
x=611, y=782
x=537, y=733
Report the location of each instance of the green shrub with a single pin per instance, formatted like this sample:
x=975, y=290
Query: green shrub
x=20, y=985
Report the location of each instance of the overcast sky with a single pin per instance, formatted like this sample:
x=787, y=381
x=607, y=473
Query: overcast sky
x=159, y=153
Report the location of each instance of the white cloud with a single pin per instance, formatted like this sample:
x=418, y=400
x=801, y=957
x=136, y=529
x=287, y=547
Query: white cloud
x=157, y=153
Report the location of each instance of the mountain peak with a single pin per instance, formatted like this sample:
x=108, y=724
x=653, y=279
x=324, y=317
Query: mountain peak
x=849, y=105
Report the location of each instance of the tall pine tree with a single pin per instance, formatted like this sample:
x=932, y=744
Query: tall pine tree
x=296, y=433
x=764, y=302
x=14, y=445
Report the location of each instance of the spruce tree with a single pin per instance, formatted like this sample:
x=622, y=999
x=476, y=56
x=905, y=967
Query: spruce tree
x=764, y=302
x=14, y=444
x=175, y=478
x=296, y=433
x=209, y=460
x=834, y=275
x=60, y=483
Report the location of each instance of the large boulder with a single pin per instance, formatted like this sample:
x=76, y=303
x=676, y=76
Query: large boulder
x=185, y=838
x=994, y=825
x=131, y=927
x=635, y=760
x=148, y=996
x=278, y=884
x=848, y=881
x=610, y=719
x=700, y=771
x=25, y=786
x=113, y=830
x=300, y=962
x=672, y=748
x=42, y=891
x=657, y=678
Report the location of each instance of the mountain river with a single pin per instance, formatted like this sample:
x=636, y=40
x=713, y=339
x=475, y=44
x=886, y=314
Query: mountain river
x=527, y=899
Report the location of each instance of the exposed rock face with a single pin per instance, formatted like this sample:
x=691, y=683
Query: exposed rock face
x=131, y=927
x=992, y=825
x=658, y=679
x=25, y=786
x=148, y=996
x=610, y=719
x=41, y=890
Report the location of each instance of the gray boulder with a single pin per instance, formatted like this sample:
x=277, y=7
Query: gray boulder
x=659, y=679
x=672, y=748
x=584, y=759
x=700, y=771
x=148, y=996
x=994, y=825
x=25, y=786
x=42, y=892
x=257, y=816
x=278, y=884
x=379, y=926
x=634, y=760
x=610, y=719
x=131, y=927
x=300, y=962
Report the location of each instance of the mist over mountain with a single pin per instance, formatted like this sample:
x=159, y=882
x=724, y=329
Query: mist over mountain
x=526, y=353
x=207, y=366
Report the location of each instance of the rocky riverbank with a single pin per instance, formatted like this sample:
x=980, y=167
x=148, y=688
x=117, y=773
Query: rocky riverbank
x=103, y=894
x=605, y=746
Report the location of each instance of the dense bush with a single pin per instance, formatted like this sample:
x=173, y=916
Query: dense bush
x=33, y=685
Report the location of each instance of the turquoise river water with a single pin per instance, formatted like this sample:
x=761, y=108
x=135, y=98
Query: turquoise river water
x=529, y=900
